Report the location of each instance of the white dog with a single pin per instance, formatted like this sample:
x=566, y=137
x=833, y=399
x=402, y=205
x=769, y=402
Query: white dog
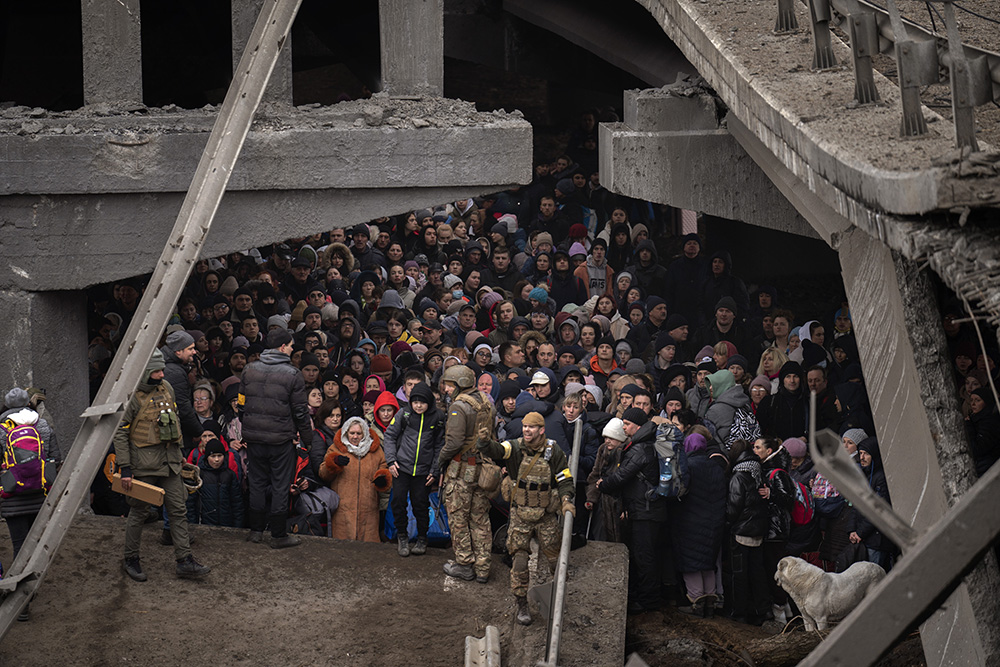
x=821, y=596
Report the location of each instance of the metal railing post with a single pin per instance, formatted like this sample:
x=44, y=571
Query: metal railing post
x=962, y=104
x=864, y=44
x=555, y=631
x=786, y=21
x=819, y=15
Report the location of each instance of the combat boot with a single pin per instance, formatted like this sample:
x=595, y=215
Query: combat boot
x=285, y=542
x=133, y=569
x=189, y=568
x=453, y=569
x=523, y=615
x=420, y=547
x=403, y=548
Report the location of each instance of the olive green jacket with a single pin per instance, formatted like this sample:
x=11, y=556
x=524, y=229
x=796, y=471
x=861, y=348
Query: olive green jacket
x=154, y=461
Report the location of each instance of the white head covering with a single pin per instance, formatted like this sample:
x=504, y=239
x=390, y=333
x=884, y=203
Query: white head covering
x=366, y=440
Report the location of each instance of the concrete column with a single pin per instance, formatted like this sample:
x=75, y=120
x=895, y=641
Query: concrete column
x=897, y=323
x=412, y=37
x=112, y=51
x=672, y=149
x=244, y=16
x=43, y=343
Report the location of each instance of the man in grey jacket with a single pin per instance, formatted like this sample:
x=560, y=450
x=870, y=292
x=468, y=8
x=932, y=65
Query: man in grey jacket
x=273, y=409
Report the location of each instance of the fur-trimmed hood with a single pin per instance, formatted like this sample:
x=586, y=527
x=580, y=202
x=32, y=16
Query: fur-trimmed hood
x=343, y=251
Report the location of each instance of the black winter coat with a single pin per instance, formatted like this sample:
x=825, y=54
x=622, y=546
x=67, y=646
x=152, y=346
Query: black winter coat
x=782, y=498
x=176, y=374
x=784, y=415
x=807, y=537
x=685, y=280
x=875, y=475
x=746, y=511
x=219, y=501
x=983, y=429
x=699, y=518
x=636, y=474
x=548, y=412
x=567, y=288
x=274, y=405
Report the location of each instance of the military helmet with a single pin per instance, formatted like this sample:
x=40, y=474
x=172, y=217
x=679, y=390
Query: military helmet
x=461, y=375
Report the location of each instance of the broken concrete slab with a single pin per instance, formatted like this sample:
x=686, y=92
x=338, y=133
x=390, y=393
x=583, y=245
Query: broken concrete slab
x=374, y=143
x=807, y=120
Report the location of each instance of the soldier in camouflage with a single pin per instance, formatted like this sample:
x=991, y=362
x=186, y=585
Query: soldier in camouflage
x=470, y=418
x=541, y=491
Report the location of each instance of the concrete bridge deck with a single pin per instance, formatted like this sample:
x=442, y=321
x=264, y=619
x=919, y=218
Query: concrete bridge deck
x=327, y=602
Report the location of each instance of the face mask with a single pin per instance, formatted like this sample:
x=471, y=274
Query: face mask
x=153, y=381
x=457, y=294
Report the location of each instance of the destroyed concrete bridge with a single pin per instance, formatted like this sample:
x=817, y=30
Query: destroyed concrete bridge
x=778, y=139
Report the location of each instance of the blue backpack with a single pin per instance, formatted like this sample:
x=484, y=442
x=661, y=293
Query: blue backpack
x=674, y=474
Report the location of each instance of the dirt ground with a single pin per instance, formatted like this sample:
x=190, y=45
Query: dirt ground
x=327, y=602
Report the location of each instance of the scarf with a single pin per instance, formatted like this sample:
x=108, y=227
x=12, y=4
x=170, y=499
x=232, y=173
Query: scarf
x=362, y=447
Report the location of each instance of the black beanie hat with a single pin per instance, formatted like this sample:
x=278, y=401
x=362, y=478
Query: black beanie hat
x=636, y=416
x=509, y=389
x=213, y=446
x=607, y=340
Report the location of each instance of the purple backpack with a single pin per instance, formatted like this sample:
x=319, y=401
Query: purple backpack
x=24, y=467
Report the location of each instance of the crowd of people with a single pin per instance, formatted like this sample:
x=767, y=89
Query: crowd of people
x=560, y=305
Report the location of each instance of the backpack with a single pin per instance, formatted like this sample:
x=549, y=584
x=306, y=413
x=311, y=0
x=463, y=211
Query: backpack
x=744, y=427
x=24, y=468
x=670, y=454
x=803, y=509
x=313, y=512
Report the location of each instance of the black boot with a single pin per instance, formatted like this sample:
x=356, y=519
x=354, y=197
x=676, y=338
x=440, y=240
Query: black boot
x=189, y=568
x=166, y=539
x=258, y=522
x=420, y=547
x=133, y=569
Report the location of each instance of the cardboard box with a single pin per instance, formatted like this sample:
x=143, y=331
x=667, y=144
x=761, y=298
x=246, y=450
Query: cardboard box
x=147, y=493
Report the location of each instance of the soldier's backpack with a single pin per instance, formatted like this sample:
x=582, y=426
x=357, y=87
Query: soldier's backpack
x=24, y=469
x=674, y=474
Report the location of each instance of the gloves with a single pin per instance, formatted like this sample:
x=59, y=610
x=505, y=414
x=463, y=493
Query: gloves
x=380, y=482
x=126, y=471
x=568, y=506
x=341, y=460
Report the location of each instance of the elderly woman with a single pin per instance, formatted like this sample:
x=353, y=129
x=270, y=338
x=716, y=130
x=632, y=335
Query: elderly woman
x=355, y=467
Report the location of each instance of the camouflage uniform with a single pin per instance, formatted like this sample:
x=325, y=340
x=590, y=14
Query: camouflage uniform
x=536, y=500
x=468, y=506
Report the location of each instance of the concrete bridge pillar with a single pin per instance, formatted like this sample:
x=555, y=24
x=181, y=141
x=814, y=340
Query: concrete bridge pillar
x=244, y=16
x=43, y=339
x=412, y=36
x=672, y=148
x=917, y=417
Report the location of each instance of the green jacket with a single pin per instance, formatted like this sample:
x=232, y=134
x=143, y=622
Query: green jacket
x=154, y=461
x=511, y=453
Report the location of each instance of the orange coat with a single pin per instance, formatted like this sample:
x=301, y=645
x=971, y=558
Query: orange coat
x=357, y=517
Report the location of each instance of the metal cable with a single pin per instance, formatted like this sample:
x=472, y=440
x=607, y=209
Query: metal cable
x=969, y=11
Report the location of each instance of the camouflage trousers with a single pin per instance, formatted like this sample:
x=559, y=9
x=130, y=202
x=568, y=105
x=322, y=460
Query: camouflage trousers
x=524, y=524
x=469, y=520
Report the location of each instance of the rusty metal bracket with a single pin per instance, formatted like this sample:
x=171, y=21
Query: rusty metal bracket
x=864, y=44
x=820, y=15
x=786, y=21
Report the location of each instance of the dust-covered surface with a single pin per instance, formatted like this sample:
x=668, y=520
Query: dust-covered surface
x=377, y=111
x=802, y=115
x=326, y=602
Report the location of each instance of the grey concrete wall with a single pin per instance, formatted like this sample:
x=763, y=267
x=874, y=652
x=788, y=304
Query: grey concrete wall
x=43, y=343
x=244, y=16
x=955, y=634
x=412, y=37
x=99, y=238
x=112, y=51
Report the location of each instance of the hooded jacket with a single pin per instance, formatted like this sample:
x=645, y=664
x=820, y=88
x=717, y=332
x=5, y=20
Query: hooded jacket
x=725, y=284
x=722, y=409
x=219, y=501
x=875, y=475
x=25, y=504
x=651, y=277
x=273, y=402
x=357, y=517
x=746, y=510
x=699, y=520
x=414, y=440
x=684, y=282
x=566, y=287
x=597, y=276
x=779, y=504
x=341, y=250
x=784, y=414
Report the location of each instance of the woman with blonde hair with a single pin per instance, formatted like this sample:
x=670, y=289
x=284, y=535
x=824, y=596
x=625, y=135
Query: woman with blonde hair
x=771, y=361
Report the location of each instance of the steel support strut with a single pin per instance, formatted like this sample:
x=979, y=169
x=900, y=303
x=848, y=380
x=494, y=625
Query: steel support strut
x=169, y=278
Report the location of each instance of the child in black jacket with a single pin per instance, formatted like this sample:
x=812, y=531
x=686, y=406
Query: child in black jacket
x=219, y=501
x=412, y=442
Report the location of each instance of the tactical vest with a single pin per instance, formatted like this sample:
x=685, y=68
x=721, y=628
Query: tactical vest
x=534, y=480
x=469, y=457
x=157, y=422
